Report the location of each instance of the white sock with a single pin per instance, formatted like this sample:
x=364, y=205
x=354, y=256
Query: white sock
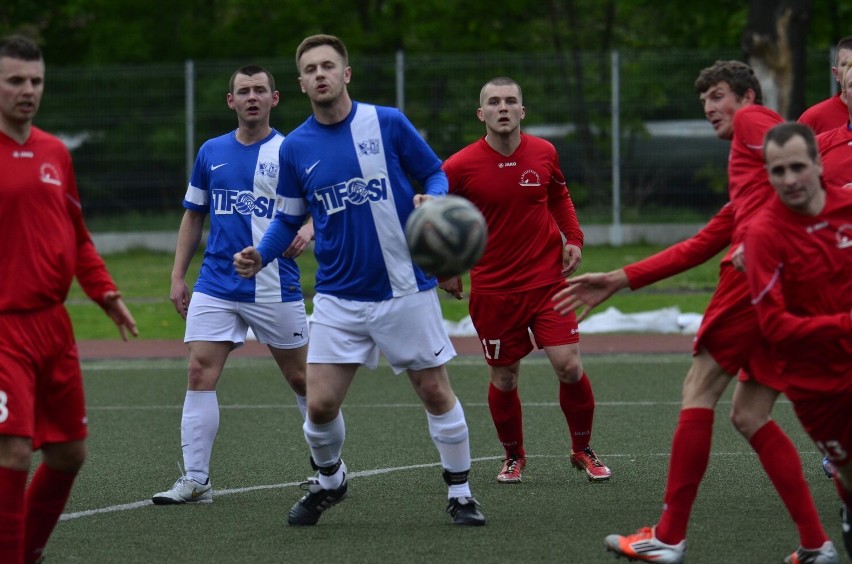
x=198, y=428
x=326, y=443
x=302, y=402
x=450, y=435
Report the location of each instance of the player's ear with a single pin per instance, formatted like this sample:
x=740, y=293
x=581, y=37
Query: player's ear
x=480, y=114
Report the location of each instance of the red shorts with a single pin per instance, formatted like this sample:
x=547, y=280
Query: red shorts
x=41, y=384
x=731, y=333
x=827, y=421
x=504, y=322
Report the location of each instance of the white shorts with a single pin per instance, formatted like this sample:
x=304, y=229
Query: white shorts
x=408, y=330
x=282, y=325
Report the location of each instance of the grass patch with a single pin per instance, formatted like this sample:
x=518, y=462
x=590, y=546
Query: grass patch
x=395, y=510
x=144, y=279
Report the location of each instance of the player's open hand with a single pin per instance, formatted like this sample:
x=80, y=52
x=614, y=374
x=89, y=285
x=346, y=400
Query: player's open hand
x=179, y=295
x=453, y=286
x=248, y=262
x=572, y=255
x=301, y=241
x=587, y=291
x=120, y=315
x=738, y=258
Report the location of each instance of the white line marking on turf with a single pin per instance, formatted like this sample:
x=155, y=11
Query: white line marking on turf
x=467, y=360
x=646, y=403
x=359, y=474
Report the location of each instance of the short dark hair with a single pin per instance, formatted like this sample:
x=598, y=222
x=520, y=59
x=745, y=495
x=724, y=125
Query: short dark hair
x=844, y=43
x=782, y=133
x=20, y=47
x=319, y=40
x=739, y=76
x=251, y=70
x=501, y=81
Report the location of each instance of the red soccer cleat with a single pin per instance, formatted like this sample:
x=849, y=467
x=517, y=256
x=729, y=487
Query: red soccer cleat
x=589, y=462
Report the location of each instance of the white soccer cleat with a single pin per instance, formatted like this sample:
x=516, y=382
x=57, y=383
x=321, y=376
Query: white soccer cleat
x=643, y=545
x=185, y=490
x=826, y=554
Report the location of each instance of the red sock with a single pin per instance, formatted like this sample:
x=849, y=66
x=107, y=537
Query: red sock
x=689, y=458
x=578, y=406
x=508, y=419
x=780, y=460
x=46, y=497
x=13, y=483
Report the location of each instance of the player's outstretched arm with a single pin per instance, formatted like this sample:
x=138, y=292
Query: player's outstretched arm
x=588, y=290
x=248, y=262
x=120, y=315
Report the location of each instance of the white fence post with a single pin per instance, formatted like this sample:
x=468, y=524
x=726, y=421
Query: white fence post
x=189, y=122
x=616, y=236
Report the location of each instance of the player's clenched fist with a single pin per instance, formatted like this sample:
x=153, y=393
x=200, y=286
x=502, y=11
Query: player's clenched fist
x=248, y=262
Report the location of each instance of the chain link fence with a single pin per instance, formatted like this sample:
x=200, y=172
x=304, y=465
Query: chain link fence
x=134, y=130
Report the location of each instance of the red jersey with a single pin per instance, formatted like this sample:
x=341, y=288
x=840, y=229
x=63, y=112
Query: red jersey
x=835, y=149
x=800, y=276
x=748, y=188
x=826, y=115
x=41, y=225
x=527, y=207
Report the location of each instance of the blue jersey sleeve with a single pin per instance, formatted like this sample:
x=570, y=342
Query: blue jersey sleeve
x=277, y=237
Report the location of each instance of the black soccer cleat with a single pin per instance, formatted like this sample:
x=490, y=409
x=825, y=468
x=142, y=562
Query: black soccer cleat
x=307, y=510
x=846, y=525
x=465, y=511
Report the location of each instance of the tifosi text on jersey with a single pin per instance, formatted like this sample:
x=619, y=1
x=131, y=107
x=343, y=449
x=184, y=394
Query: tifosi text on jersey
x=242, y=202
x=356, y=191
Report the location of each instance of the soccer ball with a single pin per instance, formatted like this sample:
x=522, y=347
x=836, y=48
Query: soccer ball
x=446, y=236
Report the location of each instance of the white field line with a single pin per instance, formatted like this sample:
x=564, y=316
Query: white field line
x=466, y=360
x=358, y=474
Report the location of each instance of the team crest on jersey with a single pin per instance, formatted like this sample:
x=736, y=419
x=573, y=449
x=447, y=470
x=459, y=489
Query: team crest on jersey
x=268, y=169
x=49, y=175
x=369, y=147
x=530, y=178
x=844, y=236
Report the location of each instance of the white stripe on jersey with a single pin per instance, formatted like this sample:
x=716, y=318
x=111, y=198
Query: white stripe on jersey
x=197, y=196
x=268, y=280
x=365, y=125
x=291, y=206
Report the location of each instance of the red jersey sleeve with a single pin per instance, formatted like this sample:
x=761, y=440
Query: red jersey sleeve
x=562, y=209
x=91, y=270
x=698, y=249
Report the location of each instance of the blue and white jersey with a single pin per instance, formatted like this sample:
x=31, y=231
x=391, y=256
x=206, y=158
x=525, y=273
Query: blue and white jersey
x=236, y=185
x=353, y=179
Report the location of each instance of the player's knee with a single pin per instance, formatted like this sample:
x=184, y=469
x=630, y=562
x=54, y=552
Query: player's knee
x=747, y=422
x=201, y=377
x=570, y=372
x=16, y=453
x=65, y=457
x=296, y=380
